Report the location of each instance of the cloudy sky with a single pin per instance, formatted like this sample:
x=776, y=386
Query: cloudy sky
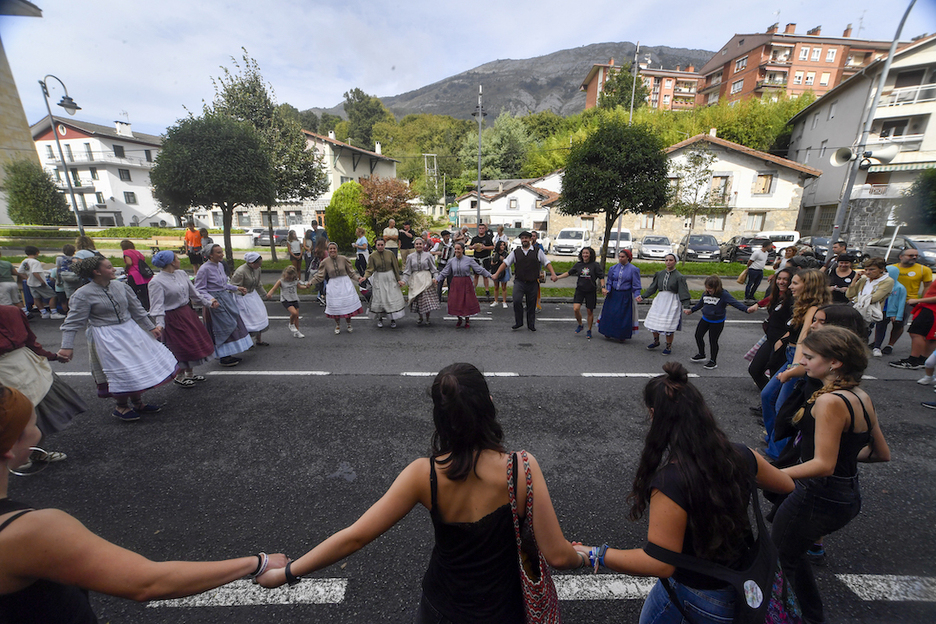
x=152, y=60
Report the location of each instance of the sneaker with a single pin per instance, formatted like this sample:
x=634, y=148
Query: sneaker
x=379, y=323
x=652, y=346
x=666, y=351
x=579, y=329
x=494, y=304
x=505, y=305
x=906, y=364
x=929, y=404
x=816, y=554
x=925, y=380
x=887, y=350
x=444, y=289
x=47, y=456
x=45, y=314
x=55, y=316
x=487, y=293
x=710, y=365
x=876, y=352
x=698, y=357
x=147, y=408
x=588, y=334
x=321, y=300
x=393, y=324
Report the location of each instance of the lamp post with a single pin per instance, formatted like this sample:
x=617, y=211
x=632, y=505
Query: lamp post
x=480, y=114
x=70, y=107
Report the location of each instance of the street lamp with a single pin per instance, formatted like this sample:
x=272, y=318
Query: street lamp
x=480, y=114
x=70, y=107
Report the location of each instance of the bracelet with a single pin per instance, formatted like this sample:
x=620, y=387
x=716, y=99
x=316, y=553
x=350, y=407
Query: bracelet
x=596, y=557
x=291, y=579
x=262, y=562
x=582, y=557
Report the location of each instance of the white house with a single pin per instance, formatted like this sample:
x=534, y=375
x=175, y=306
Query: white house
x=512, y=203
x=903, y=116
x=109, y=170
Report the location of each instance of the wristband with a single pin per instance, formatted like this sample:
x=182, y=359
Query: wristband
x=584, y=560
x=262, y=562
x=291, y=579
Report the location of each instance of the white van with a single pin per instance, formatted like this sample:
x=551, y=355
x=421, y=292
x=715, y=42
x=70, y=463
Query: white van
x=780, y=238
x=614, y=246
x=570, y=241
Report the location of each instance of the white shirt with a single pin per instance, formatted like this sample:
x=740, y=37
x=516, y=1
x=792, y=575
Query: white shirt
x=758, y=260
x=31, y=266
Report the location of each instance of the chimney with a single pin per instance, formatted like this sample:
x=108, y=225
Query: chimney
x=690, y=68
x=678, y=68
x=611, y=62
x=500, y=186
x=712, y=132
x=815, y=31
x=123, y=128
x=377, y=148
x=773, y=29
x=331, y=135
x=790, y=29
x=847, y=32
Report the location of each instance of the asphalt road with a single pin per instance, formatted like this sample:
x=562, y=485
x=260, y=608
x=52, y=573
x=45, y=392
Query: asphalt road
x=268, y=456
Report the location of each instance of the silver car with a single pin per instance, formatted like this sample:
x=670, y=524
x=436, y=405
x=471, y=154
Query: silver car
x=653, y=247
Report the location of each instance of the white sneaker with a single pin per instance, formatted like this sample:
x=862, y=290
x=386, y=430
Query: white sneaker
x=297, y=334
x=444, y=289
x=45, y=314
x=876, y=352
x=925, y=380
x=505, y=305
x=56, y=316
x=494, y=305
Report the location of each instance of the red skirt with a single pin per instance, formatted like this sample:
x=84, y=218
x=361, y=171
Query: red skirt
x=186, y=336
x=462, y=300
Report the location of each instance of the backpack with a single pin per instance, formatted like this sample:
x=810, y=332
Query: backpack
x=145, y=271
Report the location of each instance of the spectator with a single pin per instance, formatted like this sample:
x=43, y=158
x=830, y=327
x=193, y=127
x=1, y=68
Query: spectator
x=139, y=273
x=391, y=237
x=916, y=278
x=9, y=291
x=755, y=271
x=193, y=245
x=483, y=245
x=31, y=270
x=407, y=241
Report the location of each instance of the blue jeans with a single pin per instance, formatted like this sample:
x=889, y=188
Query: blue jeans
x=774, y=394
x=754, y=277
x=715, y=606
x=816, y=507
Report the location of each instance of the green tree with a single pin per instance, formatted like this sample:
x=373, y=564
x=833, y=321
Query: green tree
x=504, y=148
x=209, y=161
x=694, y=193
x=918, y=209
x=618, y=87
x=345, y=213
x=388, y=198
x=32, y=197
x=309, y=121
x=616, y=169
x=328, y=122
x=363, y=112
x=542, y=125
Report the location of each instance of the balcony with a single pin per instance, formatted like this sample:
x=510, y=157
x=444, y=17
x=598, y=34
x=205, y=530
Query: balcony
x=686, y=90
x=770, y=84
x=880, y=191
x=683, y=104
x=100, y=159
x=908, y=95
x=907, y=142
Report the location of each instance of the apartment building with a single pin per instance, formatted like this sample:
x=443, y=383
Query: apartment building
x=770, y=63
x=670, y=89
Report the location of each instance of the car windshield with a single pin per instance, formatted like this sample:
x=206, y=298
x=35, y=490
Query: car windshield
x=656, y=240
x=613, y=236
x=570, y=235
x=925, y=243
x=702, y=240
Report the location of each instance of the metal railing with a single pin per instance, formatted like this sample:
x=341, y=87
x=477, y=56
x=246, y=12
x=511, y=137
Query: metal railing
x=908, y=95
x=877, y=191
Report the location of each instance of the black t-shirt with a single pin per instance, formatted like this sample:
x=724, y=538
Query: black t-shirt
x=487, y=240
x=588, y=276
x=840, y=282
x=407, y=239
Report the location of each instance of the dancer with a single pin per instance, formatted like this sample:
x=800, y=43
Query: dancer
x=288, y=285
x=462, y=300
x=695, y=486
x=770, y=356
x=527, y=262
x=713, y=304
x=125, y=360
x=223, y=321
x=183, y=333
x=473, y=573
x=361, y=249
x=500, y=253
x=344, y=301
x=839, y=428
x=138, y=272
x=386, y=298
x=665, y=315
x=590, y=278
x=419, y=273
x=618, y=319
x=250, y=305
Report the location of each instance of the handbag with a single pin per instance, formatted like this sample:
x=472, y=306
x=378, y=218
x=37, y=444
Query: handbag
x=763, y=595
x=540, y=600
x=743, y=276
x=870, y=312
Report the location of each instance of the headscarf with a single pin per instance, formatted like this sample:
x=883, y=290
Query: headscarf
x=251, y=256
x=629, y=254
x=163, y=258
x=15, y=410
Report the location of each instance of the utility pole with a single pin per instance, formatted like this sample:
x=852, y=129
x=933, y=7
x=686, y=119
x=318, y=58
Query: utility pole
x=635, y=69
x=480, y=114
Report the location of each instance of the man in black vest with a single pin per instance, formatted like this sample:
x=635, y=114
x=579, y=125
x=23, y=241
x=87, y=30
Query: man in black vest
x=527, y=263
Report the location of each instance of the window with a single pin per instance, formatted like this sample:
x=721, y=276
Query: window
x=124, y=175
x=666, y=100
x=647, y=221
x=217, y=219
x=715, y=222
x=798, y=78
x=810, y=77
x=826, y=218
x=267, y=217
x=720, y=186
x=588, y=223
x=756, y=220
x=763, y=183
x=824, y=79
x=243, y=219
x=803, y=54
x=58, y=174
x=687, y=223
x=806, y=157
x=75, y=179
x=832, y=110
x=93, y=172
x=119, y=151
x=84, y=202
x=822, y=148
x=816, y=53
x=806, y=218
x=99, y=198
x=737, y=85
x=740, y=64
x=669, y=83
x=344, y=179
x=148, y=155
x=49, y=153
x=88, y=153
x=830, y=55
x=815, y=121
x=107, y=221
x=68, y=153
x=129, y=197
x=712, y=98
x=513, y=204
x=293, y=217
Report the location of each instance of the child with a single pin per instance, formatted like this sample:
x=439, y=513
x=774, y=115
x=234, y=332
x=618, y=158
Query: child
x=713, y=304
x=62, y=266
x=31, y=270
x=288, y=283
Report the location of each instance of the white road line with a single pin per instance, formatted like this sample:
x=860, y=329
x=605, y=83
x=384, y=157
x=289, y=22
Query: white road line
x=473, y=318
x=432, y=374
x=603, y=587
x=627, y=374
x=891, y=588
x=245, y=593
x=72, y=374
x=291, y=373
x=417, y=374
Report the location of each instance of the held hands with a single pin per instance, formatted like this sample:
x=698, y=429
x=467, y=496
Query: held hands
x=242, y=290
x=687, y=311
x=401, y=283
x=157, y=332
x=638, y=299
x=752, y=309
x=215, y=304
x=554, y=278
x=605, y=291
x=65, y=355
x=275, y=573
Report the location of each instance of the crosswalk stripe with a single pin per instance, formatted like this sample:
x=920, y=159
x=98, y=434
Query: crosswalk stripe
x=627, y=374
x=244, y=593
x=891, y=588
x=603, y=587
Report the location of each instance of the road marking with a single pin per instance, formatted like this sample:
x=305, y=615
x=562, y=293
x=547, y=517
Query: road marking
x=73, y=374
x=433, y=374
x=890, y=587
x=245, y=593
x=291, y=373
x=417, y=374
x=603, y=587
x=471, y=318
x=627, y=375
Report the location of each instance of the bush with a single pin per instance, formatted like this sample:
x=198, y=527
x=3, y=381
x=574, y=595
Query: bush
x=30, y=233
x=32, y=196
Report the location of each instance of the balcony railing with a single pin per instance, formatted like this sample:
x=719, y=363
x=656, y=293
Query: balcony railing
x=765, y=84
x=908, y=95
x=907, y=142
x=877, y=191
x=109, y=159
x=780, y=60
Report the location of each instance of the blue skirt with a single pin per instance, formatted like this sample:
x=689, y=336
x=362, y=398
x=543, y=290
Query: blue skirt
x=617, y=318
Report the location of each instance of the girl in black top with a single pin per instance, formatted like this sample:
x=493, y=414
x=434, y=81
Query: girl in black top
x=772, y=355
x=590, y=278
x=841, y=278
x=713, y=304
x=500, y=252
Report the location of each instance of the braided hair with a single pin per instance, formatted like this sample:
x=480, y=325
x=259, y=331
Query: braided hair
x=844, y=346
x=86, y=267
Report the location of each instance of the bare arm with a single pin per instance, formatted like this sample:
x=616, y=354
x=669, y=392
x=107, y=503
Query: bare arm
x=831, y=415
x=558, y=551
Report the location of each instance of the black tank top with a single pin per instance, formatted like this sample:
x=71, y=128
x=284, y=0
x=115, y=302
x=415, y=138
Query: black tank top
x=473, y=574
x=43, y=602
x=846, y=465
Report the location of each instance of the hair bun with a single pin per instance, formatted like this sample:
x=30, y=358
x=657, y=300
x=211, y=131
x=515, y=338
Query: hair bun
x=676, y=372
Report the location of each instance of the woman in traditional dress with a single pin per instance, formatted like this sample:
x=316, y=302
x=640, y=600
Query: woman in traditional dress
x=386, y=296
x=183, y=333
x=125, y=360
x=618, y=318
x=343, y=299
x=223, y=321
x=419, y=272
x=590, y=277
x=462, y=300
x=251, y=307
x=665, y=315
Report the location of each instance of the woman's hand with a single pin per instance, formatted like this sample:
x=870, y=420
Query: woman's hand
x=687, y=311
x=638, y=299
x=214, y=304
x=157, y=332
x=273, y=577
x=242, y=290
x=65, y=355
x=401, y=283
x=753, y=308
x=605, y=291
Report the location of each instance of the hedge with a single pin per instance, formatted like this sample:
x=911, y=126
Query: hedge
x=116, y=232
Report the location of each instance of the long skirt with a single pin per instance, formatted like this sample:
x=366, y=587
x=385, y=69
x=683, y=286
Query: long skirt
x=386, y=296
x=462, y=300
x=126, y=359
x=252, y=311
x=423, y=297
x=226, y=326
x=665, y=315
x=343, y=299
x=56, y=403
x=59, y=406
x=618, y=318
x=185, y=335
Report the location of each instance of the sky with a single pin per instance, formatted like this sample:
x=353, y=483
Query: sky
x=151, y=62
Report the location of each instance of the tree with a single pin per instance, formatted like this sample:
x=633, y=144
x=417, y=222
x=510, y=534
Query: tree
x=363, y=112
x=504, y=148
x=210, y=161
x=32, y=197
x=695, y=193
x=345, y=213
x=309, y=121
x=918, y=209
x=617, y=89
x=388, y=198
x=327, y=122
x=543, y=124
x=616, y=169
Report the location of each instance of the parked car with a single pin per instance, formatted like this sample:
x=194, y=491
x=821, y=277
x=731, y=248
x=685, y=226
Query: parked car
x=614, y=245
x=255, y=233
x=279, y=237
x=542, y=239
x=653, y=247
x=819, y=244
x=924, y=243
x=740, y=248
x=780, y=238
x=701, y=247
x=570, y=241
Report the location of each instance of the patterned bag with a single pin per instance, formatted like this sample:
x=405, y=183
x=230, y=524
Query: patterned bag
x=540, y=600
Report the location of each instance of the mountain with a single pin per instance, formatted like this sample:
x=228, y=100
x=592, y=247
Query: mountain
x=549, y=82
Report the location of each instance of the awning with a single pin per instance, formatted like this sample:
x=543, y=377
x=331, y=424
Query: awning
x=903, y=167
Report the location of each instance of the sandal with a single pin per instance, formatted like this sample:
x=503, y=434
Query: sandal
x=337, y=330
x=199, y=378
x=188, y=382
x=262, y=344
x=350, y=329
